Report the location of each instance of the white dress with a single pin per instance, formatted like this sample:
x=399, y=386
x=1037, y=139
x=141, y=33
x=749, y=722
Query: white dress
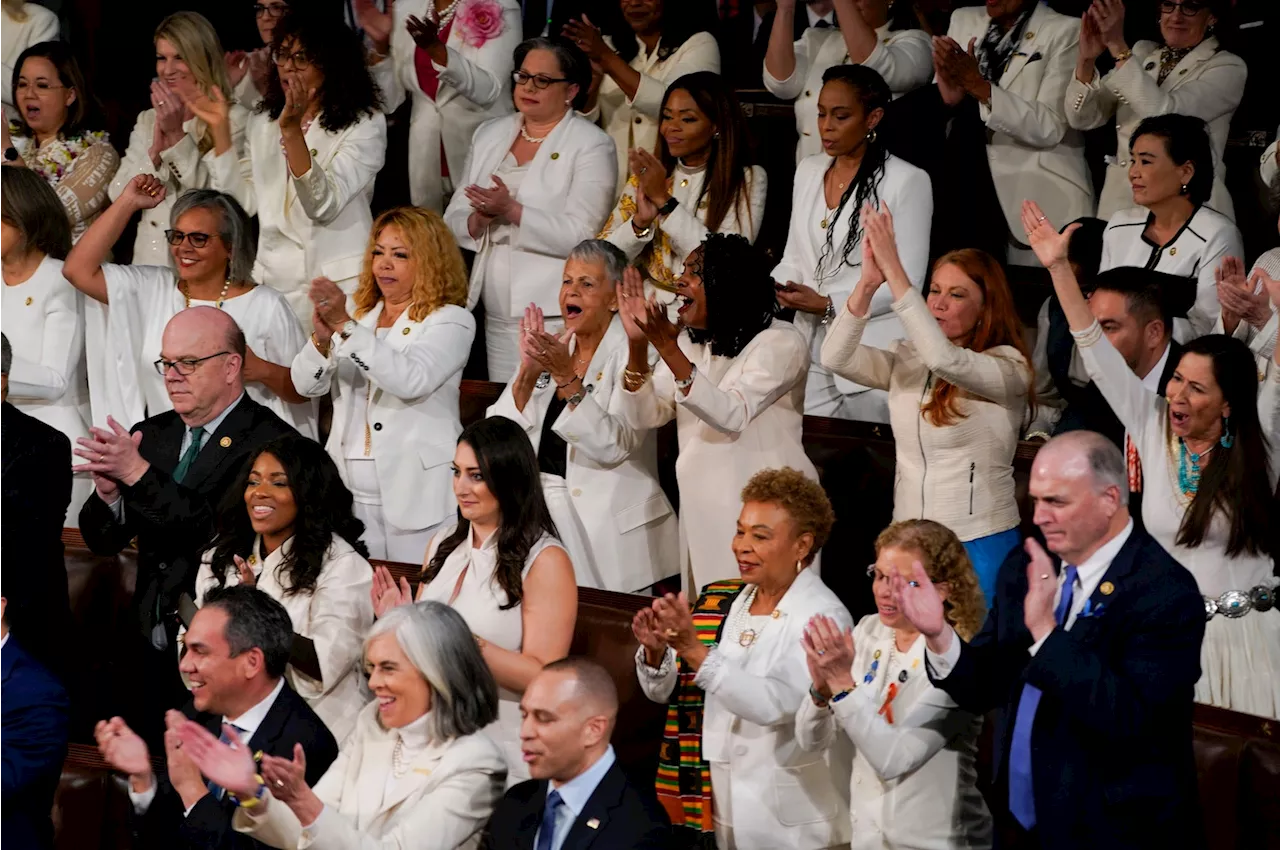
x=479, y=601
x=501, y=317
x=44, y=322
x=1240, y=658
x=141, y=301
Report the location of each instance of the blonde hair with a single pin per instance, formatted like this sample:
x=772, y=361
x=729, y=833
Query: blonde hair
x=197, y=43
x=945, y=560
x=804, y=500
x=441, y=273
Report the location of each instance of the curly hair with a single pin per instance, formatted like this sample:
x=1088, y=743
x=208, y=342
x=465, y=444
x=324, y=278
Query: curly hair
x=803, y=499
x=324, y=511
x=741, y=301
x=84, y=115
x=348, y=93
x=441, y=274
x=945, y=560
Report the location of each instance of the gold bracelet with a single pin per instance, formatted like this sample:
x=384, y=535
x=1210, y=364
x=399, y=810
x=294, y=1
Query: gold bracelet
x=637, y=377
x=1123, y=55
x=323, y=349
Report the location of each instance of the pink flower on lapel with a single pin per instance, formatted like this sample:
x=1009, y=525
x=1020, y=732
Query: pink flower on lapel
x=478, y=21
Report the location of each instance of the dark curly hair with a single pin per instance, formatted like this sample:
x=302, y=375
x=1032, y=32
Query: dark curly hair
x=348, y=92
x=324, y=511
x=741, y=300
x=509, y=468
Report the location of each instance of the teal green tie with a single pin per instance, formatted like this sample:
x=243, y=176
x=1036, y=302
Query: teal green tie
x=189, y=456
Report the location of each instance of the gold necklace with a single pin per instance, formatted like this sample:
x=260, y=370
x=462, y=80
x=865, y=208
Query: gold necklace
x=186, y=294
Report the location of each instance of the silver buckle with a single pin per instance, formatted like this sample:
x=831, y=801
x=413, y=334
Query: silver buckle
x=1234, y=604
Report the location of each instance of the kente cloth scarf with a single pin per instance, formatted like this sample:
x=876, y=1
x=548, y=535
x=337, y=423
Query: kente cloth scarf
x=998, y=48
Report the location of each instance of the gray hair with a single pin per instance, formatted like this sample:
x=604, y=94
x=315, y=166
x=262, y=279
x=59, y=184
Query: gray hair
x=438, y=642
x=605, y=253
x=1106, y=461
x=233, y=227
x=6, y=355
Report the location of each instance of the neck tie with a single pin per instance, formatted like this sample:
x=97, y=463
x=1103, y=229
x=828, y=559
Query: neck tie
x=1022, y=804
x=547, y=832
x=189, y=456
x=214, y=788
x=822, y=24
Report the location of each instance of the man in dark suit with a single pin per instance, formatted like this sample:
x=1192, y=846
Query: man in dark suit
x=162, y=483
x=33, y=740
x=1091, y=668
x=579, y=796
x=237, y=648
x=37, y=489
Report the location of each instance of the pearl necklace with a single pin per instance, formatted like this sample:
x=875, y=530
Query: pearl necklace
x=186, y=294
x=442, y=19
x=530, y=139
x=747, y=637
x=399, y=767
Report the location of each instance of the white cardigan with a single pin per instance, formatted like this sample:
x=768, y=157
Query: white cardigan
x=611, y=473
x=442, y=803
x=566, y=194
x=415, y=373
x=313, y=225
x=1208, y=84
x=474, y=87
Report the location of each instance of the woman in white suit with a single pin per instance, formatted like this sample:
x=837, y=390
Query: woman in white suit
x=394, y=370
x=1015, y=58
x=914, y=777
x=1189, y=73
x=537, y=183
x=452, y=58
x=599, y=476
x=416, y=772
x=311, y=153
x=286, y=527
x=823, y=258
x=733, y=683
x=883, y=35
x=168, y=141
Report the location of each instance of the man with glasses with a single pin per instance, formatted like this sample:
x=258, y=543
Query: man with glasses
x=162, y=482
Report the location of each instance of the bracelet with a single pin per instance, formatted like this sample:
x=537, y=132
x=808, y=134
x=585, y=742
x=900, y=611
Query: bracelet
x=1043, y=435
x=636, y=378
x=837, y=697
x=1123, y=55
x=257, y=797
x=641, y=234
x=818, y=699
x=568, y=382
x=322, y=348
x=683, y=386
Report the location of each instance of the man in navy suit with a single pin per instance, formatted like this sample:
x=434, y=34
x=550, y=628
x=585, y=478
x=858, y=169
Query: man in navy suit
x=579, y=796
x=1092, y=667
x=33, y=741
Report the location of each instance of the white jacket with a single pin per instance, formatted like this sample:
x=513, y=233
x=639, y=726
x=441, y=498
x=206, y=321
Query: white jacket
x=16, y=36
x=415, y=373
x=1208, y=84
x=612, y=475
x=566, y=194
x=1032, y=150
x=475, y=87
x=313, y=225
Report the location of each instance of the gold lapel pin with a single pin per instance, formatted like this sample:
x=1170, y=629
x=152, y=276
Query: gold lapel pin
x=594, y=823
x=405, y=332
x=225, y=442
x=555, y=155
x=1107, y=588
x=1173, y=252
x=29, y=300
x=776, y=614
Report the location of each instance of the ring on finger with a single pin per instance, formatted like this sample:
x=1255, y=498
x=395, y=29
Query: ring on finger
x=822, y=652
x=279, y=783
x=671, y=633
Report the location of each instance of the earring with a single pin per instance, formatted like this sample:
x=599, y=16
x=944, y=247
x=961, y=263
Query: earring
x=1226, y=440
x=1184, y=188
x=871, y=135
x=799, y=567
x=716, y=134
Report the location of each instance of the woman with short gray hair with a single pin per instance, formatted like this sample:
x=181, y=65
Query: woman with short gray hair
x=212, y=249
x=417, y=771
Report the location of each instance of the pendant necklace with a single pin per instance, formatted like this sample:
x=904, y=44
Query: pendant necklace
x=1189, y=468
x=398, y=766
x=186, y=294
x=747, y=637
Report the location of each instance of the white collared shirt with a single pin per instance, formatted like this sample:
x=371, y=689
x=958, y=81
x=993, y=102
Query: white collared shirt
x=814, y=17
x=1151, y=380
x=210, y=427
x=574, y=795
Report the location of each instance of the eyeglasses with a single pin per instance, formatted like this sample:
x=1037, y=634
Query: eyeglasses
x=270, y=10
x=1189, y=8
x=299, y=58
x=541, y=82
x=185, y=366
x=197, y=240
x=39, y=85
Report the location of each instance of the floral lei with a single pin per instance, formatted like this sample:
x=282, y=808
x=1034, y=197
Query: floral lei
x=53, y=160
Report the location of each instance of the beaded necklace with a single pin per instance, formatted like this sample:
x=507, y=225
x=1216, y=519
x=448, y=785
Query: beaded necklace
x=747, y=637
x=186, y=294
x=1189, y=468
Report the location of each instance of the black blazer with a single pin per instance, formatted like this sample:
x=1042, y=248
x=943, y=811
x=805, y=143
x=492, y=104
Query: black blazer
x=175, y=522
x=33, y=738
x=623, y=818
x=290, y=720
x=1113, y=763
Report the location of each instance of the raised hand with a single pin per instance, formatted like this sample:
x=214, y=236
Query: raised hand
x=112, y=452
x=424, y=33
x=143, y=192
x=183, y=773
x=674, y=621
x=1262, y=280
x=530, y=323
x=833, y=651
x=212, y=108
x=631, y=303
x=1109, y=17
x=552, y=354
x=1050, y=246
x=1091, y=44
x=286, y=778
x=644, y=625
x=296, y=99
x=650, y=174
x=588, y=38
x=1037, y=608
x=1239, y=298
x=492, y=203
x=797, y=296
x=237, y=62
x=376, y=25
x=877, y=228
x=122, y=748
x=245, y=572
x=330, y=301
x=230, y=766
x=386, y=593
x=170, y=110
x=919, y=602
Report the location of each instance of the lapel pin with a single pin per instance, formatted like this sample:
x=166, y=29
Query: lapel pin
x=1030, y=35
x=423, y=770
x=776, y=614
x=594, y=823
x=1107, y=588
x=1173, y=252
x=225, y=442
x=405, y=332
x=313, y=152
x=599, y=376
x=1149, y=65
x=555, y=155
x=29, y=300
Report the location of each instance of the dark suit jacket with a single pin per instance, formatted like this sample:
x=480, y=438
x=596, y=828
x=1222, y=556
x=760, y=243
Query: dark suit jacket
x=175, y=522
x=1113, y=763
x=624, y=818
x=289, y=721
x=37, y=490
x=33, y=741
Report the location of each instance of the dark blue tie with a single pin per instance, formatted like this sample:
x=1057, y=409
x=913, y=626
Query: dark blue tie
x=1022, y=803
x=214, y=788
x=547, y=833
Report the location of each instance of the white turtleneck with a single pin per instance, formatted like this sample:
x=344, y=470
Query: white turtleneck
x=415, y=740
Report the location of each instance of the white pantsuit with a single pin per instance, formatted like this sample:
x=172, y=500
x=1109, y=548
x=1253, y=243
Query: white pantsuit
x=631, y=533
x=313, y=225
x=474, y=87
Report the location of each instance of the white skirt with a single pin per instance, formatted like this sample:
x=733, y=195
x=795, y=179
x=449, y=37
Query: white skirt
x=570, y=531
x=1240, y=664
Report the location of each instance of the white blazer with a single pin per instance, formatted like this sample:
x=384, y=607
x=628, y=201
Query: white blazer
x=475, y=87
x=442, y=803
x=1033, y=152
x=913, y=780
x=415, y=372
x=313, y=225
x=781, y=796
x=1208, y=84
x=903, y=57
x=566, y=194
x=16, y=36
x=612, y=475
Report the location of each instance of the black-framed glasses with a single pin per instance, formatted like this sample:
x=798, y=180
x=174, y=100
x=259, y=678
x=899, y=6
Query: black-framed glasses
x=541, y=82
x=271, y=10
x=185, y=366
x=301, y=61
x=1189, y=8
x=197, y=240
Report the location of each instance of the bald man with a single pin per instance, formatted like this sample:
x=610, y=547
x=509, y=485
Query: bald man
x=1090, y=657
x=578, y=796
x=162, y=484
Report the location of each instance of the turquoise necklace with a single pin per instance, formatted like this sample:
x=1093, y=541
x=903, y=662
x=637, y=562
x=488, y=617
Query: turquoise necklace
x=1189, y=468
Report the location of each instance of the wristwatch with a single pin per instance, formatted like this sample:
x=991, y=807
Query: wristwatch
x=347, y=328
x=829, y=313
x=11, y=154
x=683, y=386
x=669, y=207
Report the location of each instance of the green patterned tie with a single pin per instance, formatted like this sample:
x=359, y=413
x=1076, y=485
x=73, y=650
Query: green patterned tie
x=189, y=456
